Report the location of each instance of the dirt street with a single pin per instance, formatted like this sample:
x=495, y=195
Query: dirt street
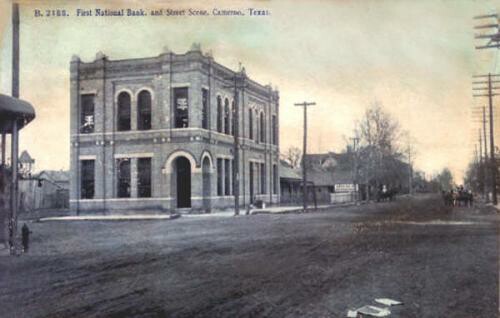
x=439, y=262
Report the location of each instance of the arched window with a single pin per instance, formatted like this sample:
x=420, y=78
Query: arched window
x=233, y=112
x=257, y=130
x=226, y=117
x=262, y=128
x=219, y=114
x=274, y=130
x=144, y=111
x=123, y=112
x=250, y=124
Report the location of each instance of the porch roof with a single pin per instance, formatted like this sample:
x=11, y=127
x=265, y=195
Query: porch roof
x=14, y=109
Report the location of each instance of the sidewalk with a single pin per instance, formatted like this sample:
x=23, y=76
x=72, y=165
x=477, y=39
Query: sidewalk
x=216, y=213
x=112, y=217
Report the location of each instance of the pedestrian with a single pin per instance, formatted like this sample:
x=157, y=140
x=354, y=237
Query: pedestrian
x=25, y=231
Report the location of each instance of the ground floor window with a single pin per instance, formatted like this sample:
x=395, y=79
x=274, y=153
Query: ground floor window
x=144, y=177
x=87, y=178
x=123, y=177
x=275, y=179
x=219, y=176
x=262, y=178
x=227, y=175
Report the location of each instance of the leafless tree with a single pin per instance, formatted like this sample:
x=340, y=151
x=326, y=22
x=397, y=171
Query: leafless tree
x=293, y=156
x=380, y=137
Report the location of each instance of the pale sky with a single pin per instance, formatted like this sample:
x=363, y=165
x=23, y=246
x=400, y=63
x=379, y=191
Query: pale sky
x=416, y=58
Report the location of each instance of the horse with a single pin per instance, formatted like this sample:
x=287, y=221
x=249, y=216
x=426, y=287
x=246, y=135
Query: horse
x=388, y=195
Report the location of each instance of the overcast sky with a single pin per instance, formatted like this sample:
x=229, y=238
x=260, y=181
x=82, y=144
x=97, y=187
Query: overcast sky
x=415, y=58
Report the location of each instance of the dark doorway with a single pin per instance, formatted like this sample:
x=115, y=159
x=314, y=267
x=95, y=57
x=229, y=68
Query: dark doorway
x=183, y=172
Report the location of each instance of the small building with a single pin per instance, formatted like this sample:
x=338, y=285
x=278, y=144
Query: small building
x=26, y=163
x=290, y=184
x=48, y=189
x=333, y=177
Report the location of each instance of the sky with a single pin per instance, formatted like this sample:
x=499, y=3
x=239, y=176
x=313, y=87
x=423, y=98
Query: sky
x=415, y=58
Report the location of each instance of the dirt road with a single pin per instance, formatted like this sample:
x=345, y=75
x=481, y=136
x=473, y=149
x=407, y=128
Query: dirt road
x=439, y=262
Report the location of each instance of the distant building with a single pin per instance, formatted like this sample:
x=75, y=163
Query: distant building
x=333, y=177
x=26, y=164
x=48, y=189
x=157, y=134
x=290, y=184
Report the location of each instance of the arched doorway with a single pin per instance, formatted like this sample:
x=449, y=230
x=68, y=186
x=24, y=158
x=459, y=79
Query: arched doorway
x=206, y=167
x=183, y=182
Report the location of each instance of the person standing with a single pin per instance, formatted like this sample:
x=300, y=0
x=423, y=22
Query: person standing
x=25, y=237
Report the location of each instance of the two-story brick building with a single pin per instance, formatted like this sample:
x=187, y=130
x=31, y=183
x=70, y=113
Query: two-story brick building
x=158, y=134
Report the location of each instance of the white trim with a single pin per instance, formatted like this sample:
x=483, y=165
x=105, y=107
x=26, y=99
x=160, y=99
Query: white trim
x=122, y=199
x=257, y=160
x=167, y=168
x=87, y=92
x=87, y=157
x=207, y=154
x=126, y=90
x=214, y=197
x=177, y=85
x=224, y=157
x=140, y=131
x=134, y=155
x=145, y=88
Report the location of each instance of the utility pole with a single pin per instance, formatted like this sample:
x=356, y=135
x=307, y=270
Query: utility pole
x=304, y=153
x=410, y=170
x=238, y=84
x=355, y=141
x=15, y=133
x=493, y=42
x=485, y=193
x=481, y=174
x=490, y=92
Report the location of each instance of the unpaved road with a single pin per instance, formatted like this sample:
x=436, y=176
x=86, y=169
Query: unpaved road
x=439, y=262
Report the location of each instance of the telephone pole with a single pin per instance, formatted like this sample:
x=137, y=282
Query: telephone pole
x=493, y=38
x=304, y=153
x=490, y=92
x=355, y=141
x=15, y=134
x=238, y=85
x=481, y=174
x=485, y=192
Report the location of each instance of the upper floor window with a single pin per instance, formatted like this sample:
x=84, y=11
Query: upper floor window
x=262, y=128
x=123, y=111
x=226, y=117
x=274, y=130
x=250, y=124
x=181, y=112
x=233, y=112
x=219, y=114
x=204, y=108
x=87, y=113
x=144, y=111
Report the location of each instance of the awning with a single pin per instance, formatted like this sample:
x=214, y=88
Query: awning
x=14, y=109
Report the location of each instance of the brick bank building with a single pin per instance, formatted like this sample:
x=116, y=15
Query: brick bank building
x=157, y=134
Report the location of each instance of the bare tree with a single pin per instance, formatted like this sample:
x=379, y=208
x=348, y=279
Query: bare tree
x=379, y=150
x=293, y=156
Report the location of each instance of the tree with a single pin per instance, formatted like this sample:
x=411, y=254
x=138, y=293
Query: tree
x=379, y=151
x=445, y=179
x=293, y=156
